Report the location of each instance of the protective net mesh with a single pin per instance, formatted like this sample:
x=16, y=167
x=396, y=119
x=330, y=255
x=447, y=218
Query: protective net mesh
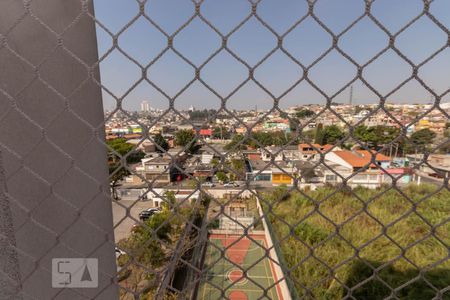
x=294, y=223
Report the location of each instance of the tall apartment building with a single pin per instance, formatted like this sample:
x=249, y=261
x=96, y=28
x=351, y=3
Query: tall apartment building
x=145, y=107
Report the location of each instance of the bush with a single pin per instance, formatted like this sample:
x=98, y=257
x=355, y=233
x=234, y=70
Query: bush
x=214, y=224
x=310, y=234
x=363, y=232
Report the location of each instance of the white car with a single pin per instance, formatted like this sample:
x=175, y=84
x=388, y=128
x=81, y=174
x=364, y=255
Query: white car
x=231, y=184
x=119, y=252
x=208, y=184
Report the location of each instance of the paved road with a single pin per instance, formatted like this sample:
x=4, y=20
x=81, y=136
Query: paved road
x=122, y=225
x=430, y=180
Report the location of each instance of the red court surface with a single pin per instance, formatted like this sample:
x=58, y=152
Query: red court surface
x=237, y=295
x=240, y=273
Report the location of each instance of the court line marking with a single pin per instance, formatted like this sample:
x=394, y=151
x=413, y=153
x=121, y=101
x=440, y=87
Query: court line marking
x=242, y=276
x=253, y=247
x=209, y=260
x=265, y=269
x=233, y=267
x=244, y=290
x=251, y=243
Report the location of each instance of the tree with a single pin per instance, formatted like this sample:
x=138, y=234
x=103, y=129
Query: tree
x=332, y=134
x=122, y=148
x=307, y=136
x=318, y=138
x=186, y=138
x=215, y=162
x=115, y=177
x=329, y=134
x=202, y=114
x=364, y=135
x=170, y=200
x=238, y=166
x=236, y=140
x=221, y=176
x=420, y=140
x=142, y=245
x=280, y=138
x=376, y=136
x=221, y=132
x=305, y=113
x=294, y=123
x=264, y=138
x=161, y=142
x=445, y=148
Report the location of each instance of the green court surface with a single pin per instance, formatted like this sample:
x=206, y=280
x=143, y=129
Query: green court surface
x=225, y=277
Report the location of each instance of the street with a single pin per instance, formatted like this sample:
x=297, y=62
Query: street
x=122, y=225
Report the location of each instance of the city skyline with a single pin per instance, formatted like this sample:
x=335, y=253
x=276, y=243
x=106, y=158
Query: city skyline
x=253, y=41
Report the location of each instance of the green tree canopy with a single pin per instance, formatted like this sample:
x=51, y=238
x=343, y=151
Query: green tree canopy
x=420, y=140
x=120, y=146
x=161, y=142
x=116, y=171
x=238, y=166
x=305, y=113
x=221, y=176
x=221, y=132
x=329, y=134
x=236, y=140
x=376, y=136
x=202, y=114
x=187, y=139
x=123, y=148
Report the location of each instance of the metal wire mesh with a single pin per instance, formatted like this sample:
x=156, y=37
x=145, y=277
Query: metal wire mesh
x=176, y=256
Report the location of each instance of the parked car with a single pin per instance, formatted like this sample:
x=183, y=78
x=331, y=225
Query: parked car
x=436, y=175
x=145, y=214
x=119, y=252
x=208, y=184
x=231, y=184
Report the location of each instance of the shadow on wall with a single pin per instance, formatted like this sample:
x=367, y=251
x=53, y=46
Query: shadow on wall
x=375, y=289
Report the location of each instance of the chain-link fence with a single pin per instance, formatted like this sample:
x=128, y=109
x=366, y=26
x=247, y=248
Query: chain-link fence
x=325, y=201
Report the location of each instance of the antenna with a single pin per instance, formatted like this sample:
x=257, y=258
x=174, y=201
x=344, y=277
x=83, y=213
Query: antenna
x=350, y=100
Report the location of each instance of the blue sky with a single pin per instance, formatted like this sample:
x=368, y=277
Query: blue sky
x=306, y=42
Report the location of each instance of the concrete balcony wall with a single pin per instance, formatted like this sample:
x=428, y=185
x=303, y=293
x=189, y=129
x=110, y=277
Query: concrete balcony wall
x=55, y=199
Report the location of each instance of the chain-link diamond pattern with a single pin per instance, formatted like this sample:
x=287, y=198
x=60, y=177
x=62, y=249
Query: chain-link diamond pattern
x=313, y=250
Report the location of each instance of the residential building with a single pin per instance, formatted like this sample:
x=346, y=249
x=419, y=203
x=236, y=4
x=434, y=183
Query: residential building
x=283, y=173
x=145, y=107
x=258, y=170
x=360, y=167
x=312, y=151
x=156, y=169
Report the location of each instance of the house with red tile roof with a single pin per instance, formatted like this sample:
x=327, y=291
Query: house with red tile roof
x=206, y=133
x=360, y=167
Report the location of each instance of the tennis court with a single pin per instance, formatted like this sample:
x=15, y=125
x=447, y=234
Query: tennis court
x=228, y=277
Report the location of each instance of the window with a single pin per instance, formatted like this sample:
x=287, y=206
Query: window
x=330, y=178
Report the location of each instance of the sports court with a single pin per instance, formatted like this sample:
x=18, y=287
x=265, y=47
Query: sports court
x=224, y=276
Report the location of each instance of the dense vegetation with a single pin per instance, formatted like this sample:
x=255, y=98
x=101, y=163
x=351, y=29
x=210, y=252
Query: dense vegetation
x=277, y=138
x=186, y=138
x=117, y=149
x=325, y=262
x=375, y=137
x=151, y=244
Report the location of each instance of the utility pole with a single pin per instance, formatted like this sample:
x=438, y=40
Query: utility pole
x=350, y=100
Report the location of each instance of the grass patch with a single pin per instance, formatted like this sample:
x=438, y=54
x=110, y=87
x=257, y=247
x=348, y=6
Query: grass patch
x=340, y=248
